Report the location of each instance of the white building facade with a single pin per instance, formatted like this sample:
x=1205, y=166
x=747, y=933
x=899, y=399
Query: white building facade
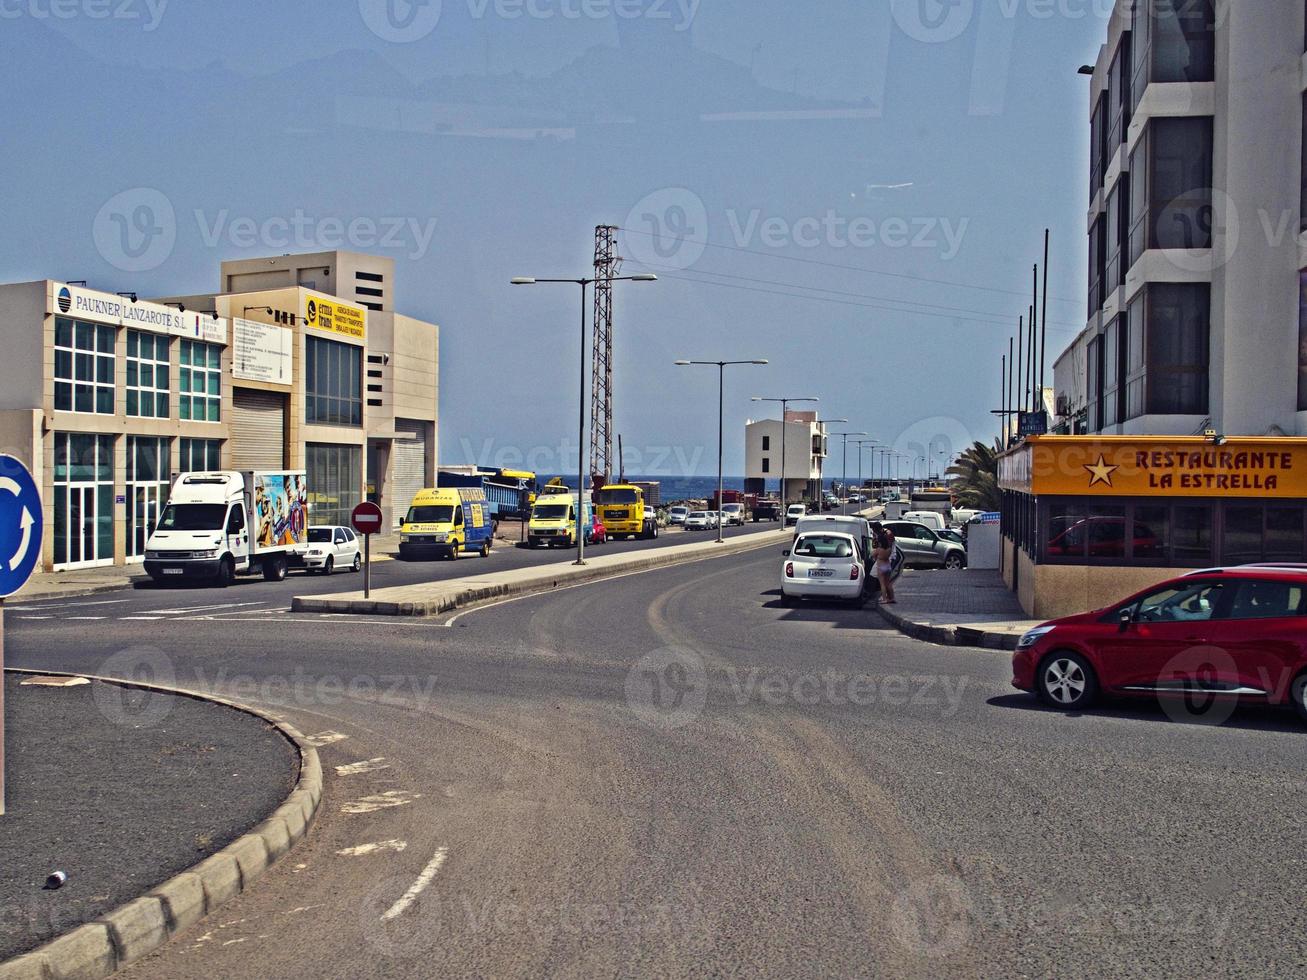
x=805, y=445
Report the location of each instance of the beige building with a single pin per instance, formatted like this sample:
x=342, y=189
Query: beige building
x=122, y=393
x=802, y=440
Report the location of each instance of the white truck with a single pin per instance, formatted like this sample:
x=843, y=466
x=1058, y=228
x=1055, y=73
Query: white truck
x=218, y=525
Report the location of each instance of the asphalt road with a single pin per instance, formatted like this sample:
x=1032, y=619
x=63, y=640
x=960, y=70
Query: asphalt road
x=669, y=774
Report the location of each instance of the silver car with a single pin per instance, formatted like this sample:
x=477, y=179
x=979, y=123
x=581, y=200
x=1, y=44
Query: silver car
x=923, y=548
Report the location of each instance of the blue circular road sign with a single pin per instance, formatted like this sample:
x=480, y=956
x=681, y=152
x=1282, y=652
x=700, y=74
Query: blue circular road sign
x=22, y=522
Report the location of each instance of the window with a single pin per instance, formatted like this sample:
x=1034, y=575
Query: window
x=766, y=465
x=1242, y=541
x=1193, y=535
x=335, y=479
x=236, y=521
x=1098, y=146
x=199, y=455
x=1133, y=343
x=1193, y=603
x=147, y=375
x=1266, y=600
x=1114, y=267
x=333, y=382
x=83, y=367
x=1110, y=407
x=1097, y=265
x=366, y=291
x=369, y=276
x=1118, y=128
x=1136, y=226
x=1303, y=180
x=83, y=499
x=766, y=443
x=1172, y=41
x=1094, y=384
x=1180, y=183
x=148, y=468
x=1284, y=534
x=200, y=382
x=1151, y=538
x=1177, y=348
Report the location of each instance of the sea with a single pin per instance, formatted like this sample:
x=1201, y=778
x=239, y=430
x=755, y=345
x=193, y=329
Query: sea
x=676, y=488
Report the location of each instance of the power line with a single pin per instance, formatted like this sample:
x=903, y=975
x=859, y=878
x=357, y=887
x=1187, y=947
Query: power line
x=849, y=268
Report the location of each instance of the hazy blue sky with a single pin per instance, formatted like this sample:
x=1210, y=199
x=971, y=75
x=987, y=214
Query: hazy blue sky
x=855, y=190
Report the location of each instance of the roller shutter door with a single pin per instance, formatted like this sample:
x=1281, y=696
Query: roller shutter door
x=258, y=430
x=408, y=474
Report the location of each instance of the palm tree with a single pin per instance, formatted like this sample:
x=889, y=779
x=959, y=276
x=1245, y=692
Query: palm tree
x=975, y=478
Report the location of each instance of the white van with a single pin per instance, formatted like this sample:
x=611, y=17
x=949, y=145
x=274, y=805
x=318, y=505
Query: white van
x=794, y=513
x=962, y=515
x=929, y=518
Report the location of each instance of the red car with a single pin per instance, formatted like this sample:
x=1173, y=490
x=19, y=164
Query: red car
x=1222, y=635
x=599, y=534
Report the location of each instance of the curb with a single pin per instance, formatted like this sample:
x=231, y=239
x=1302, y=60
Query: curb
x=97, y=949
x=949, y=636
x=548, y=578
x=73, y=593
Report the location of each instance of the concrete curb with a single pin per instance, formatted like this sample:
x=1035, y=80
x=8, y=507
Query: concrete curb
x=949, y=636
x=459, y=593
x=97, y=949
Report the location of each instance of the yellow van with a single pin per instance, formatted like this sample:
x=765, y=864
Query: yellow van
x=446, y=523
x=553, y=521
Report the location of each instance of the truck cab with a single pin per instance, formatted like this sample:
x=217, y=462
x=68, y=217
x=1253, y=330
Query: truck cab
x=218, y=525
x=444, y=523
x=624, y=513
x=553, y=521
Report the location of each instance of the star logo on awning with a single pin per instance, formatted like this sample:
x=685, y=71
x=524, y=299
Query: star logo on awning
x=1101, y=472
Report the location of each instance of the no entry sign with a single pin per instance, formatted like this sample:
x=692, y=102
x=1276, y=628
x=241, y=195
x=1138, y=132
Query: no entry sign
x=366, y=518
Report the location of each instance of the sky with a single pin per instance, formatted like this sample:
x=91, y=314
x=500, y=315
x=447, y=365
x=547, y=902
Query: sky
x=855, y=190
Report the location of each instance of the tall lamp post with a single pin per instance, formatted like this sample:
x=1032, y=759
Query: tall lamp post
x=863, y=446
x=580, y=428
x=785, y=402
x=721, y=384
x=845, y=508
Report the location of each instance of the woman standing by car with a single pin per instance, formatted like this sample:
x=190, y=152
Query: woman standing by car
x=882, y=553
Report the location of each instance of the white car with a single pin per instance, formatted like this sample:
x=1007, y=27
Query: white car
x=794, y=513
x=677, y=515
x=823, y=565
x=700, y=520
x=933, y=520
x=332, y=548
x=733, y=514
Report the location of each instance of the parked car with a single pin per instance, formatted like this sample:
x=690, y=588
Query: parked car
x=733, y=514
x=677, y=514
x=932, y=519
x=598, y=533
x=700, y=520
x=924, y=548
x=823, y=565
x=331, y=547
x=1220, y=635
x=794, y=513
x=954, y=535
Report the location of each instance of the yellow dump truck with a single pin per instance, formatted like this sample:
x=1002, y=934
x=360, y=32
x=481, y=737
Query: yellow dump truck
x=624, y=512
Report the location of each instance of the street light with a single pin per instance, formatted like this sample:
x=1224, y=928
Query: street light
x=845, y=508
x=784, y=405
x=863, y=445
x=721, y=383
x=580, y=428
x=821, y=464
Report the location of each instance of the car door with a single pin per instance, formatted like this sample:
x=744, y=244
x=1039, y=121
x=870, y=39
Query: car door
x=1168, y=641
x=238, y=537
x=1263, y=636
x=933, y=550
x=339, y=545
x=905, y=535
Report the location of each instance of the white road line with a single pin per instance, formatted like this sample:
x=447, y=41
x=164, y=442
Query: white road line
x=381, y=801
x=418, y=887
x=68, y=605
x=36, y=617
x=124, y=619
x=382, y=845
x=84, y=618
x=196, y=609
x=367, y=765
x=324, y=738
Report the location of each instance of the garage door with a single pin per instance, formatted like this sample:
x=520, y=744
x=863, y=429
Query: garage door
x=258, y=430
x=408, y=475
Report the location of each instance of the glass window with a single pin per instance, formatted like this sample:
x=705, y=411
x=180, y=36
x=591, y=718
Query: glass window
x=1098, y=146
x=1068, y=531
x=1105, y=532
x=199, y=382
x=1141, y=50
x=1110, y=408
x=1180, y=186
x=1184, y=41
x=1137, y=201
x=1193, y=534
x=1303, y=224
x=1242, y=541
x=1097, y=264
x=1151, y=525
x=335, y=481
x=1177, y=348
x=148, y=471
x=1133, y=342
x=1114, y=270
x=1196, y=602
x=83, y=367
x=1267, y=600
x=1302, y=332
x=1094, y=384
x=1284, y=537
x=147, y=375
x=83, y=499
x=333, y=383
x=199, y=455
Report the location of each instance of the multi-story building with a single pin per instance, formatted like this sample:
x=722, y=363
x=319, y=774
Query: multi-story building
x=803, y=441
x=105, y=397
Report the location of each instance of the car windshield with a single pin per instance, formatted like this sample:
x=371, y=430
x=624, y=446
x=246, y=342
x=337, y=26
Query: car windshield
x=193, y=517
x=732, y=508
x=319, y=535
x=550, y=512
x=824, y=546
x=619, y=496
x=699, y=513
x=430, y=515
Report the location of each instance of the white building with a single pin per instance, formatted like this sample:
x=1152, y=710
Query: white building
x=804, y=442
x=1196, y=202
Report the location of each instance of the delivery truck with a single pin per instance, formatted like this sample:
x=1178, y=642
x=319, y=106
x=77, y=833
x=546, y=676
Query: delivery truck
x=221, y=524
x=446, y=522
x=626, y=512
x=553, y=521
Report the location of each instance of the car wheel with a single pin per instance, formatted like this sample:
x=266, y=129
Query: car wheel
x=358, y=564
x=1066, y=681
x=1298, y=692
x=330, y=565
x=485, y=548
x=954, y=562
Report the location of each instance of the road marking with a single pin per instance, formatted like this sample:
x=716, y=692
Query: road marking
x=126, y=619
x=382, y=845
x=368, y=765
x=68, y=605
x=82, y=619
x=36, y=617
x=418, y=887
x=381, y=801
x=324, y=738
x=211, y=606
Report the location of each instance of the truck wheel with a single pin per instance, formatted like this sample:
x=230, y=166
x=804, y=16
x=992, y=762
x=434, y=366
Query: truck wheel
x=274, y=569
x=226, y=572
x=653, y=532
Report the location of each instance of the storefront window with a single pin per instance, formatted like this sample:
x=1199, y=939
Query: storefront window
x=335, y=479
x=147, y=375
x=148, y=468
x=1193, y=534
x=1068, y=530
x=1105, y=532
x=83, y=367
x=1284, y=534
x=83, y=499
x=1152, y=538
x=200, y=382
x=1242, y=541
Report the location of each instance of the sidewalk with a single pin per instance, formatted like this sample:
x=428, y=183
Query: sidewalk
x=967, y=608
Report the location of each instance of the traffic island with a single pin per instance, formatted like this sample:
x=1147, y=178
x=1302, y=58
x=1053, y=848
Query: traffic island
x=966, y=608
x=150, y=807
x=436, y=598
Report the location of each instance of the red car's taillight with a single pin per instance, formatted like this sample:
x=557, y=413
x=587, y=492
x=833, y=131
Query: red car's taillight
x=789, y=569
x=853, y=574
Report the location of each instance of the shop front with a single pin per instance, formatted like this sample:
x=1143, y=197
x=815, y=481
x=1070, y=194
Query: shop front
x=1087, y=520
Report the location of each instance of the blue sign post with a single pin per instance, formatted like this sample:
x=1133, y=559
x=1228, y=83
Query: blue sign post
x=22, y=522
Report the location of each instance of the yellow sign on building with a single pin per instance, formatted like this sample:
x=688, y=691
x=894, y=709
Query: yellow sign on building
x=335, y=317
x=1142, y=466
